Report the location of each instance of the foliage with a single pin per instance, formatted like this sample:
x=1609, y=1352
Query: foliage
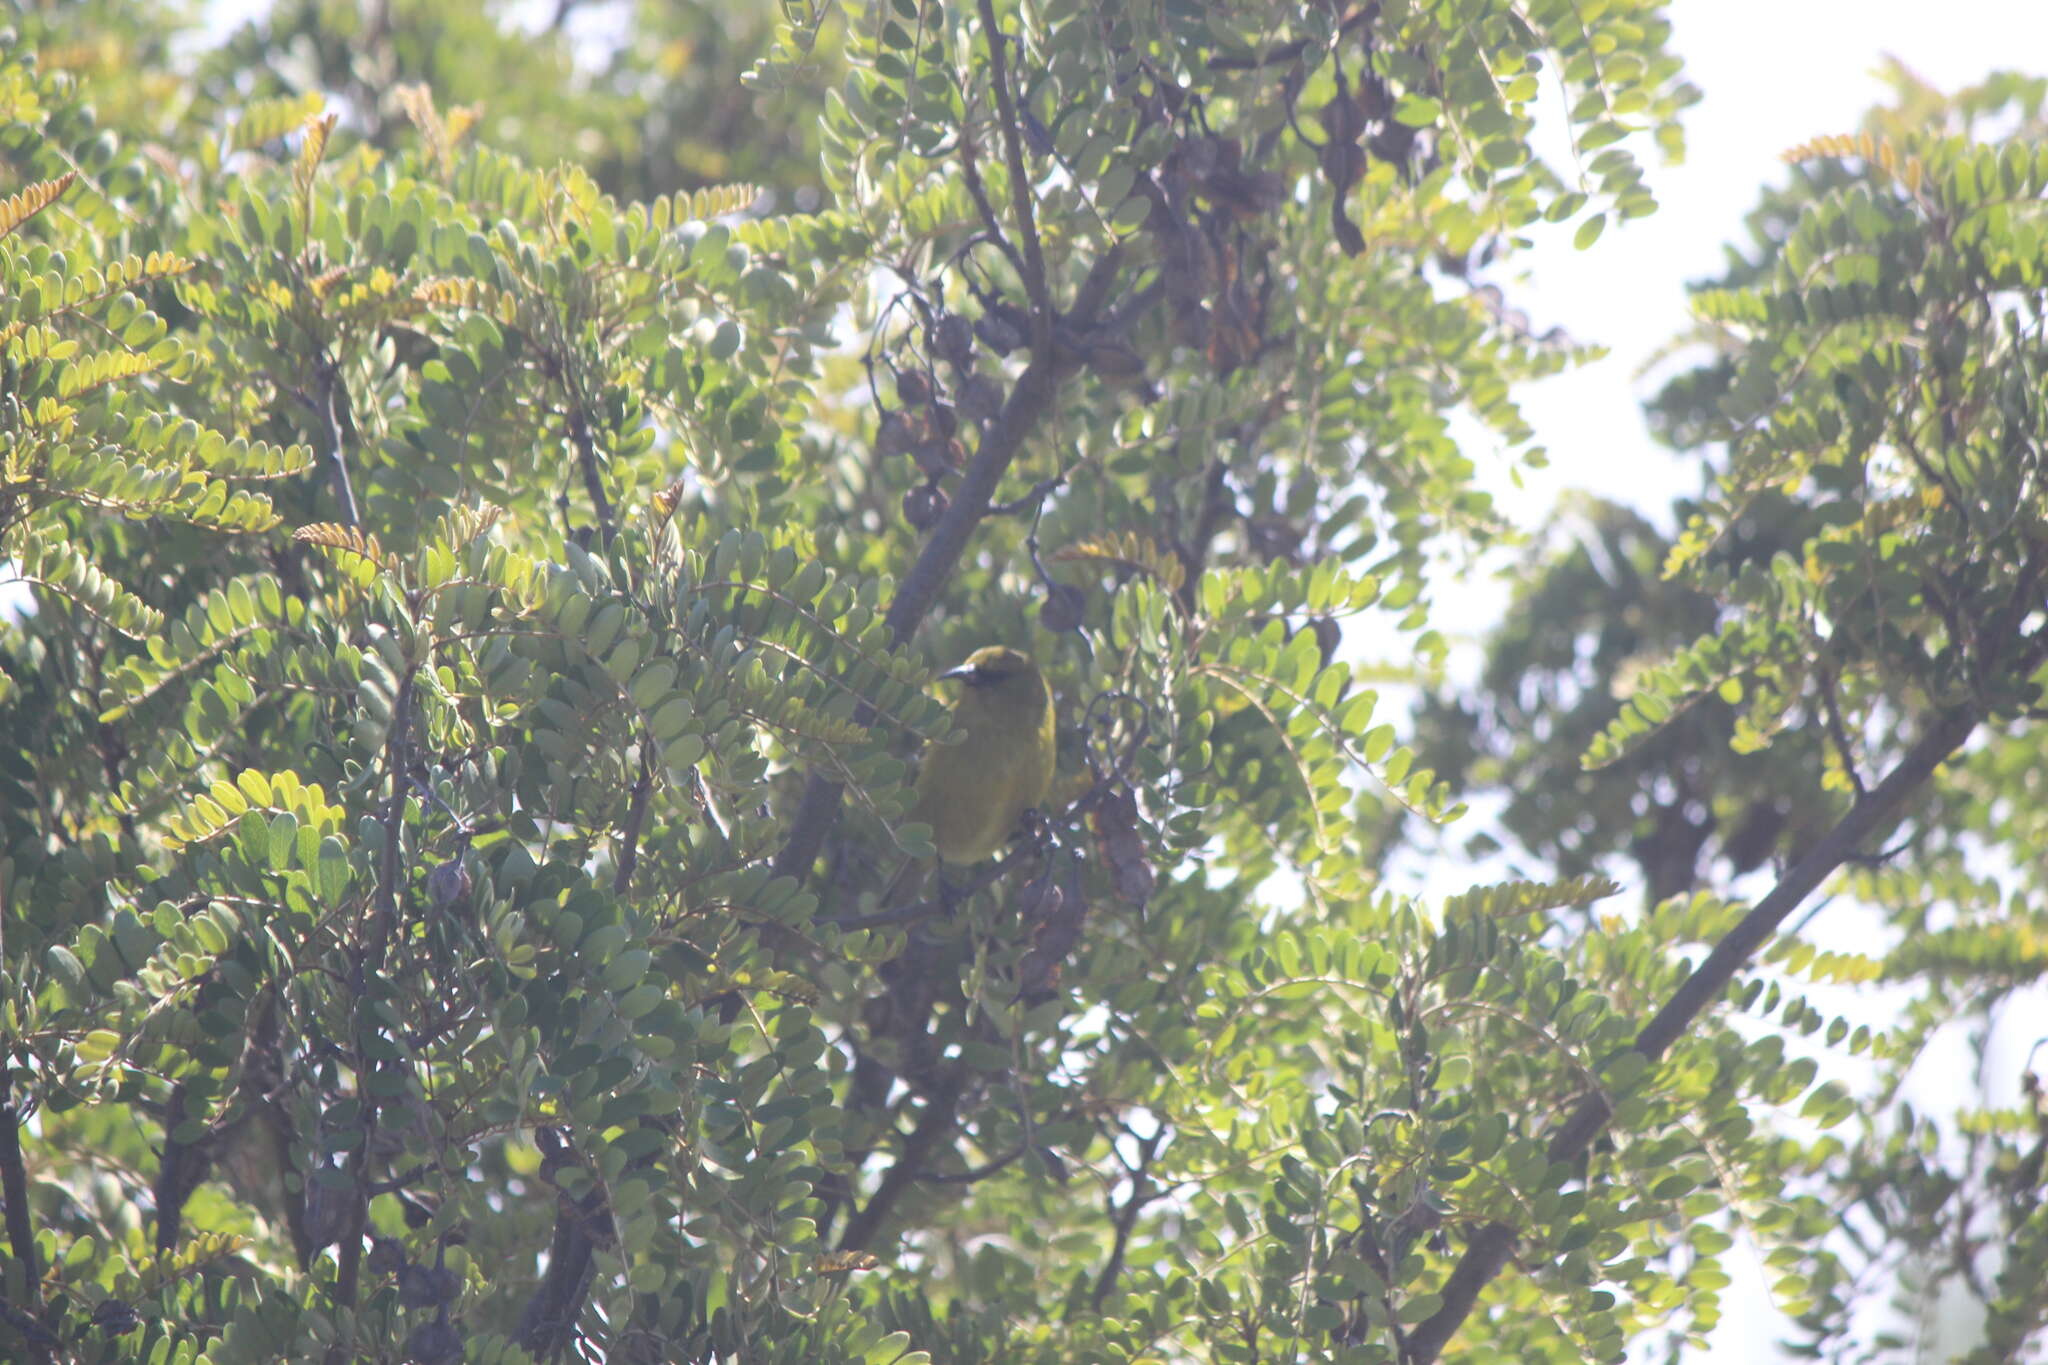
x=483, y=579
x=1868, y=558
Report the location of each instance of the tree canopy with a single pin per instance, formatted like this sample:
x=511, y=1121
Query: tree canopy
x=487, y=490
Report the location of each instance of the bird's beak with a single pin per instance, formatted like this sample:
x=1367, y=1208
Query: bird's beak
x=965, y=672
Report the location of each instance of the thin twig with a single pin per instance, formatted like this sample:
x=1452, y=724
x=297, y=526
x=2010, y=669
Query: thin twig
x=370, y=961
x=1125, y=1217
x=1838, y=732
x=323, y=407
x=974, y=1173
x=1283, y=53
x=970, y=174
x=593, y=478
x=636, y=816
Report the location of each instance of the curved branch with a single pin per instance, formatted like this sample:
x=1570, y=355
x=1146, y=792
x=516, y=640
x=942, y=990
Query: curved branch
x=941, y=1113
x=920, y=587
x=1490, y=1248
x=21, y=1234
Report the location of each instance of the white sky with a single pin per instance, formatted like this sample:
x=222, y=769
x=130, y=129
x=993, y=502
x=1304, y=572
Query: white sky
x=1775, y=73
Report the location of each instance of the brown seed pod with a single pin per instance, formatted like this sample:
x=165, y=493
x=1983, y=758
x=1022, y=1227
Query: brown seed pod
x=423, y=1286
x=387, y=1254
x=952, y=340
x=924, y=505
x=897, y=434
x=435, y=1342
x=999, y=333
x=1065, y=607
x=1122, y=846
x=944, y=421
x=936, y=455
x=913, y=388
x=1039, y=899
x=1056, y=926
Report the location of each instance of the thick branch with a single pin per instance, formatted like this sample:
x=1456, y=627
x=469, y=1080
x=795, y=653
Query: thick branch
x=920, y=588
x=941, y=1113
x=179, y=1171
x=548, y=1323
x=1489, y=1249
x=21, y=1234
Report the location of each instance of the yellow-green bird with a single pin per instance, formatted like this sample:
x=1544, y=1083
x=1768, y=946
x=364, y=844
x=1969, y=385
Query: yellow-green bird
x=973, y=793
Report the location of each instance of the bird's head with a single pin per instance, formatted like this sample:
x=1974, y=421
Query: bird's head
x=999, y=675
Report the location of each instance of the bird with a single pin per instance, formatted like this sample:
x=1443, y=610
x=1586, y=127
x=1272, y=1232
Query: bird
x=974, y=793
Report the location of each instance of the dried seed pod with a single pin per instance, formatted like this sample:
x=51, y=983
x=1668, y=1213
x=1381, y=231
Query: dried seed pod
x=1064, y=608
x=952, y=340
x=937, y=455
x=427, y=1286
x=1122, y=846
x=913, y=388
x=1201, y=155
x=898, y=434
x=944, y=420
x=1039, y=899
x=387, y=1254
x=979, y=399
x=999, y=333
x=1057, y=929
x=924, y=505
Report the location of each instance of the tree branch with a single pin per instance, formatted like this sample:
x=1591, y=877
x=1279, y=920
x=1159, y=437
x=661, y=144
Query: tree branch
x=21, y=1234
x=1125, y=1218
x=1020, y=181
x=593, y=478
x=941, y=1113
x=330, y=437
x=1027, y=403
x=636, y=817
x=370, y=963
x=180, y=1170
x=970, y=174
x=1489, y=1248
x=1005, y=436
